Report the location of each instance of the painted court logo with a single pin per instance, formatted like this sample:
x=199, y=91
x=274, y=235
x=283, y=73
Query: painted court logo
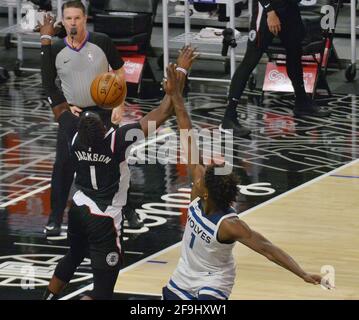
x=112, y=259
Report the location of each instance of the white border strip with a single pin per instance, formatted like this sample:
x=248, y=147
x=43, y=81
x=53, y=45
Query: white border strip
x=39, y=245
x=132, y=266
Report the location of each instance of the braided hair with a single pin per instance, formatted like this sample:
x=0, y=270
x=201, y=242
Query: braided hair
x=222, y=189
x=91, y=130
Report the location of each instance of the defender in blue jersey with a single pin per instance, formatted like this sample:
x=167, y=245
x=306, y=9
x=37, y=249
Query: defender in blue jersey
x=206, y=268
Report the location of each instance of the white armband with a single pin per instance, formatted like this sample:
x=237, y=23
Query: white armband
x=45, y=36
x=184, y=71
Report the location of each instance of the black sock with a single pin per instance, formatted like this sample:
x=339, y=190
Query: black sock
x=48, y=295
x=231, y=110
x=300, y=93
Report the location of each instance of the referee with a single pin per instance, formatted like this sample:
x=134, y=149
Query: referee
x=75, y=60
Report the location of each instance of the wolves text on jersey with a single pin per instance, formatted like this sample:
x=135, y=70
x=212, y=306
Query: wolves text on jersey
x=198, y=230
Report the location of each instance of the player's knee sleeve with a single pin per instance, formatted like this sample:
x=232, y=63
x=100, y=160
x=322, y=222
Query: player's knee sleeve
x=66, y=267
x=104, y=283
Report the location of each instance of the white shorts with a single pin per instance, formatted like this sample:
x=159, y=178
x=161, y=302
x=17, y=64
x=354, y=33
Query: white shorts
x=189, y=285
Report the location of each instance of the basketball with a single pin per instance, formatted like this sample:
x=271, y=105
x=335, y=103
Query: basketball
x=108, y=90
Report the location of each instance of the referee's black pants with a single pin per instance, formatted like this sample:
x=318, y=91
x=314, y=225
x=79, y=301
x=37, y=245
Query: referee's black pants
x=291, y=35
x=63, y=170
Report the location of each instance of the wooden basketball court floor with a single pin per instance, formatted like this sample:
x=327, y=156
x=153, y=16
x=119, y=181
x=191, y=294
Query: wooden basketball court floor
x=316, y=223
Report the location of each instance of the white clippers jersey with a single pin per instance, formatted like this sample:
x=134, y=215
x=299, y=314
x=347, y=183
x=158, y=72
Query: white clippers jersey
x=206, y=266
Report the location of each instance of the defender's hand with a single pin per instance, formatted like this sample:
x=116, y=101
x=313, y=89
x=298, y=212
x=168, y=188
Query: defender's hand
x=170, y=85
x=317, y=279
x=186, y=57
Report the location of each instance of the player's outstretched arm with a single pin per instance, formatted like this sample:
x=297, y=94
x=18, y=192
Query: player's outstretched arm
x=159, y=115
x=237, y=230
x=188, y=140
x=54, y=94
x=116, y=116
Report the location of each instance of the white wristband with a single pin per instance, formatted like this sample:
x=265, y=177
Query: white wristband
x=45, y=36
x=184, y=71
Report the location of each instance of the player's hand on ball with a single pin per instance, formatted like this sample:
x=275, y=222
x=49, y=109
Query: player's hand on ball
x=75, y=110
x=116, y=116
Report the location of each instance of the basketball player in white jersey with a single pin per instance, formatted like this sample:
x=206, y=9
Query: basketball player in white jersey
x=206, y=268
